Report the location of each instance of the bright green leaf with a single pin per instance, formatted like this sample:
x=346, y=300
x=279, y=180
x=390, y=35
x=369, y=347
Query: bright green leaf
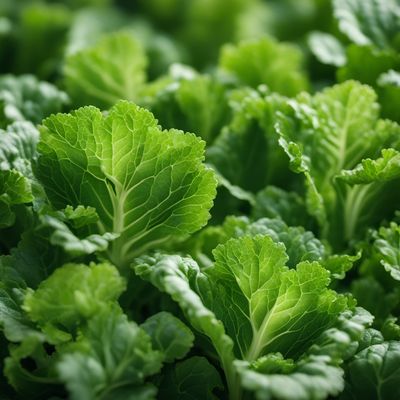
x=72, y=294
x=332, y=131
x=14, y=189
x=146, y=185
x=63, y=236
x=264, y=307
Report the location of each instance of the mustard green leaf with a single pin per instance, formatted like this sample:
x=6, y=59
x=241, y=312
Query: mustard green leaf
x=146, y=185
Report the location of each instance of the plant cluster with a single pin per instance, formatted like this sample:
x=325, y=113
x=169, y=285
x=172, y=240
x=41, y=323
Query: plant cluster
x=200, y=199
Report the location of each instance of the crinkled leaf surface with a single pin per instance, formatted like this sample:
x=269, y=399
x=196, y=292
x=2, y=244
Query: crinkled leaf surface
x=335, y=123
x=332, y=131
x=382, y=170
x=80, y=216
x=18, y=147
x=316, y=374
x=305, y=181
x=246, y=152
x=273, y=202
x=146, y=185
x=14, y=189
x=300, y=245
x=264, y=306
x=312, y=380
x=73, y=245
x=71, y=294
x=387, y=246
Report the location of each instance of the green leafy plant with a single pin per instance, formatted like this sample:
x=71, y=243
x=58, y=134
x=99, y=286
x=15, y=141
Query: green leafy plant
x=199, y=200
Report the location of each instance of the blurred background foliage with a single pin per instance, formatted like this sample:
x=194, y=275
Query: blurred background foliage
x=35, y=35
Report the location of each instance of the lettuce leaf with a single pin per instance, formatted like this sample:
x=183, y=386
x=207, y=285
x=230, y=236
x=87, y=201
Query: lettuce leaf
x=157, y=190
x=331, y=132
x=246, y=152
x=70, y=295
x=251, y=305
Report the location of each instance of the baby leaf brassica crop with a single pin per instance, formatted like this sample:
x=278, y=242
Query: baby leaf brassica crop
x=200, y=200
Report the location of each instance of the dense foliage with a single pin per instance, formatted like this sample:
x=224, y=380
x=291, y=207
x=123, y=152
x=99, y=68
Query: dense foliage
x=200, y=199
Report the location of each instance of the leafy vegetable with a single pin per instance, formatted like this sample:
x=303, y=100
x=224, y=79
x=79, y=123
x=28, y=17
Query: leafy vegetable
x=18, y=147
x=158, y=189
x=113, y=69
x=198, y=104
x=14, y=190
x=372, y=27
x=374, y=371
x=118, y=372
x=25, y=98
x=345, y=129
x=199, y=199
x=387, y=246
x=88, y=290
x=251, y=306
x=247, y=64
x=169, y=334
